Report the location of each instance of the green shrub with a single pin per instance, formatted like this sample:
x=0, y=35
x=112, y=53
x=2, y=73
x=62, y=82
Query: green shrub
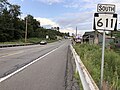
x=91, y=57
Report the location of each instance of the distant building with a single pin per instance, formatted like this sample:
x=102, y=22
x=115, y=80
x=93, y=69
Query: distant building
x=95, y=37
x=92, y=37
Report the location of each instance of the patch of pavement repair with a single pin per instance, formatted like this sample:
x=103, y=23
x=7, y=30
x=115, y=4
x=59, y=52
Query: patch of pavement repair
x=70, y=81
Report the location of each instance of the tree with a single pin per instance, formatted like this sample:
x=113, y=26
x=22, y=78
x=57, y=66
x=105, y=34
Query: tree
x=13, y=28
x=58, y=28
x=9, y=21
x=14, y=11
x=116, y=34
x=33, y=25
x=6, y=25
x=4, y=4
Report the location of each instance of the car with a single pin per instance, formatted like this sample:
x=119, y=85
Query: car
x=43, y=42
x=78, y=40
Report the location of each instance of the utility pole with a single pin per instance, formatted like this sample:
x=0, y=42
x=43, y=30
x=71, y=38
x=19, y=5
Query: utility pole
x=76, y=30
x=26, y=31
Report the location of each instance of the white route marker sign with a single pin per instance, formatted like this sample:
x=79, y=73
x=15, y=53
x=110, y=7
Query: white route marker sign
x=105, y=21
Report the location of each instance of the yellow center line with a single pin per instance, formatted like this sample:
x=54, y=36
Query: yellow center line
x=6, y=55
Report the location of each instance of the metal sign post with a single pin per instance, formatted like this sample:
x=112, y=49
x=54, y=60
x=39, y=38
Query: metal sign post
x=105, y=20
x=102, y=63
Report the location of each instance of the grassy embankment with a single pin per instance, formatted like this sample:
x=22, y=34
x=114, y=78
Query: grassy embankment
x=30, y=40
x=91, y=57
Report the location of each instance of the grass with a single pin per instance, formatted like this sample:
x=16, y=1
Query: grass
x=30, y=40
x=76, y=76
x=117, y=50
x=13, y=42
x=91, y=57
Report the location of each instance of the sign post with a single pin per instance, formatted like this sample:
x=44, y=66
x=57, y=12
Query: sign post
x=105, y=20
x=102, y=63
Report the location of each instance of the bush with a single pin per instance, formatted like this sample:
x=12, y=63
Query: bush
x=91, y=57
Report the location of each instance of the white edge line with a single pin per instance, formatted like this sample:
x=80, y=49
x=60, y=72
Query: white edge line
x=15, y=72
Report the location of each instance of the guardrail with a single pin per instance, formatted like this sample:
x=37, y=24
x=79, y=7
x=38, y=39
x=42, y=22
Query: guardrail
x=86, y=79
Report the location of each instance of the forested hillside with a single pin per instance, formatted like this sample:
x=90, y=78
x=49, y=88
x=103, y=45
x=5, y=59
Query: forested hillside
x=12, y=27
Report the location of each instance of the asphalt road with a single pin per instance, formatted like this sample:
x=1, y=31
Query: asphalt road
x=46, y=74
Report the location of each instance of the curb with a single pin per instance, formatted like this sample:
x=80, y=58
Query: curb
x=15, y=45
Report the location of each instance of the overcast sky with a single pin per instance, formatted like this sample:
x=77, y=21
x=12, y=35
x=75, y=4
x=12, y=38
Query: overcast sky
x=67, y=14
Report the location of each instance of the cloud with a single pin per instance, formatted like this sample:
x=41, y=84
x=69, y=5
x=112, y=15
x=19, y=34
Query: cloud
x=48, y=23
x=66, y=30
x=45, y=22
x=86, y=9
x=80, y=4
x=73, y=30
x=81, y=20
x=90, y=4
x=72, y=5
x=15, y=0
x=69, y=29
x=50, y=1
x=82, y=17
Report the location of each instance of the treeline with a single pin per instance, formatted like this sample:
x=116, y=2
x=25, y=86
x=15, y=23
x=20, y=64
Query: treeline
x=12, y=27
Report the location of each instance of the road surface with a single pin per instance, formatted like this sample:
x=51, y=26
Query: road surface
x=47, y=73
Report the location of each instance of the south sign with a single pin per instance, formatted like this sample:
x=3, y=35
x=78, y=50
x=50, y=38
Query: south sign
x=106, y=8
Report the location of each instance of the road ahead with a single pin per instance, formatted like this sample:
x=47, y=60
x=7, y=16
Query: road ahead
x=47, y=73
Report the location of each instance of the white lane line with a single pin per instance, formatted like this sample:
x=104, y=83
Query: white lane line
x=15, y=72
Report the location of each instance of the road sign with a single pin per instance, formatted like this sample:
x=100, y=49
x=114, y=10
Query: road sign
x=105, y=21
x=47, y=37
x=106, y=8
